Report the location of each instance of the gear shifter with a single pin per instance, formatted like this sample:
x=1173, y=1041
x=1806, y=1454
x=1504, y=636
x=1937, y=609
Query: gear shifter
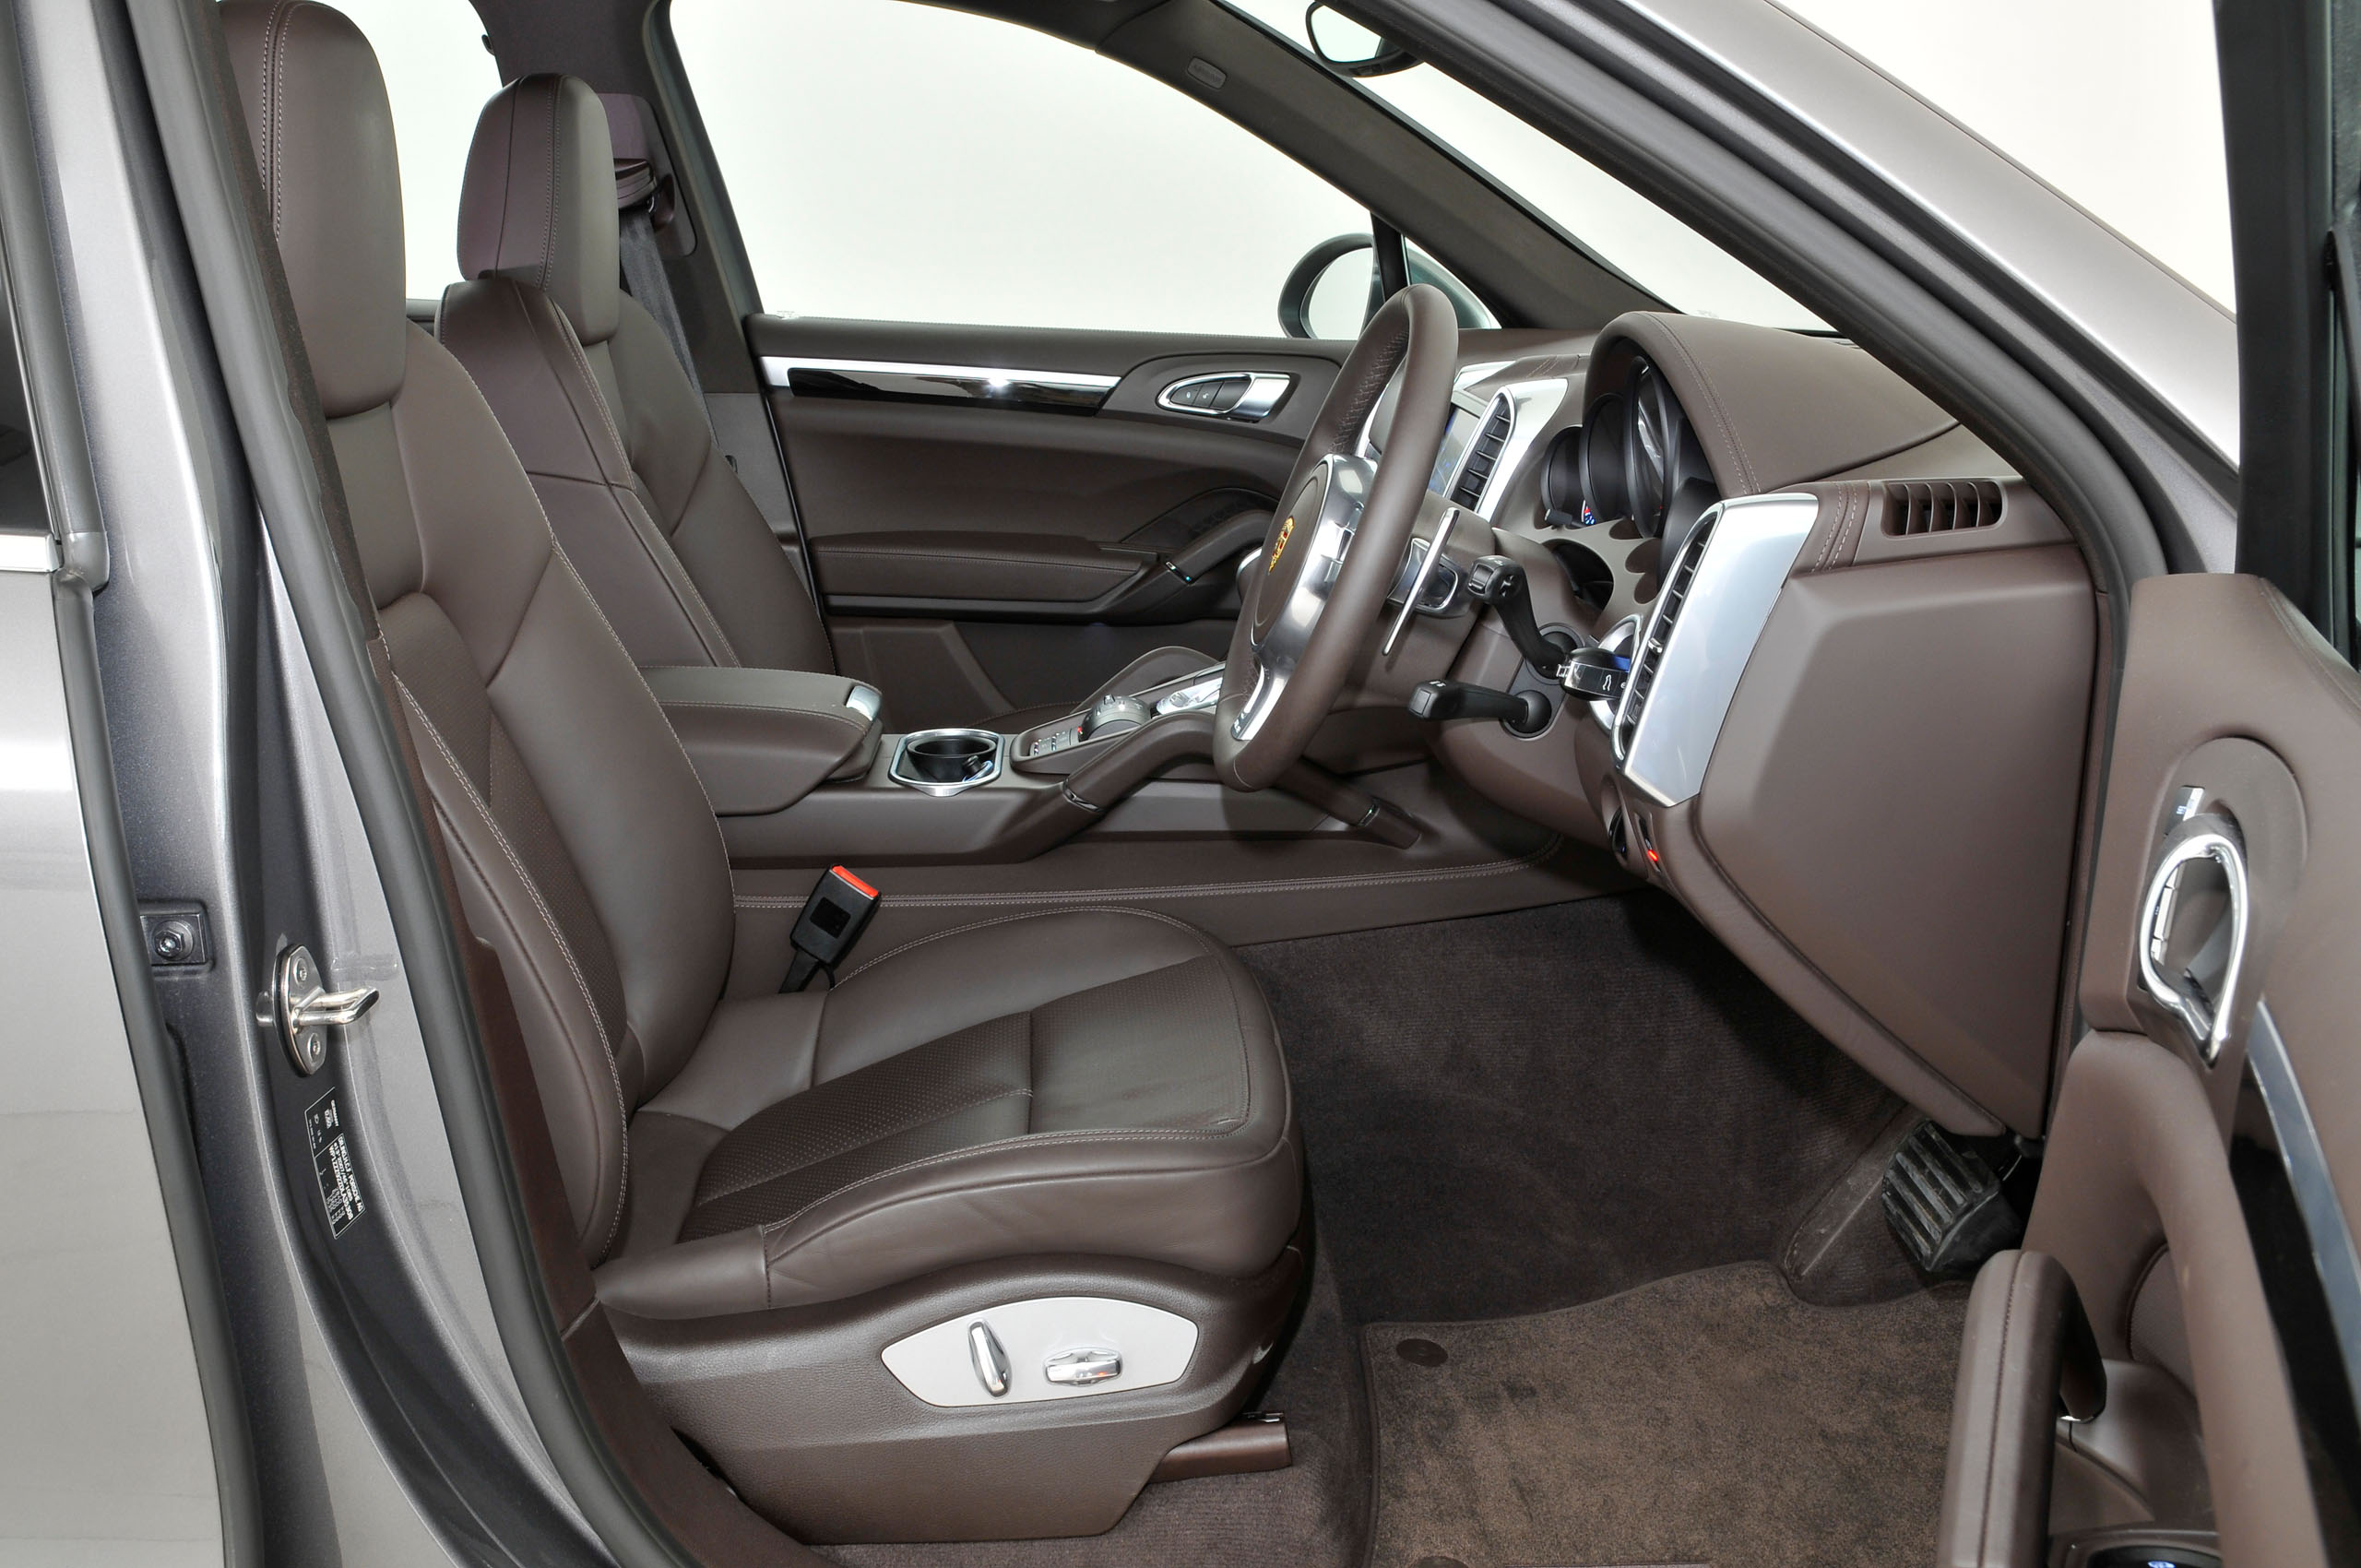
x=1500, y=582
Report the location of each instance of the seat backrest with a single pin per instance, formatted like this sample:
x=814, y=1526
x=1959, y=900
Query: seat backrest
x=581, y=841
x=598, y=408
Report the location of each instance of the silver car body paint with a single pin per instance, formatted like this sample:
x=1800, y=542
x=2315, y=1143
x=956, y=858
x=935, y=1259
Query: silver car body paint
x=105, y=1456
x=2175, y=340
x=167, y=481
x=388, y=1085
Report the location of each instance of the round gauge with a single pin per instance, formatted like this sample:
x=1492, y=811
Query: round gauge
x=1561, y=480
x=1652, y=434
x=1602, y=460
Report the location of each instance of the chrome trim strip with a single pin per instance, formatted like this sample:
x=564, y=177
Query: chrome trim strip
x=864, y=700
x=2307, y=1175
x=1728, y=602
x=984, y=383
x=27, y=552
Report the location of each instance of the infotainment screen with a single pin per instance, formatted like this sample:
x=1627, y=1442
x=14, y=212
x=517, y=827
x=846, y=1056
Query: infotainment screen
x=1455, y=437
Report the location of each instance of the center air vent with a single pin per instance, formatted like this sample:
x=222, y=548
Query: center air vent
x=1942, y=506
x=1649, y=657
x=1484, y=455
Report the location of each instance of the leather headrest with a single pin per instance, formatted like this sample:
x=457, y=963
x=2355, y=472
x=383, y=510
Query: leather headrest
x=539, y=203
x=324, y=141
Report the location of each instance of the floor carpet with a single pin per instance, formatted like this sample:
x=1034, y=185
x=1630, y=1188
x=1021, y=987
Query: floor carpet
x=1517, y=1113
x=1710, y=1419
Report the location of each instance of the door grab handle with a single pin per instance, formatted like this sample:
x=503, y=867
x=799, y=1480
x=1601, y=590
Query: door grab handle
x=2207, y=1017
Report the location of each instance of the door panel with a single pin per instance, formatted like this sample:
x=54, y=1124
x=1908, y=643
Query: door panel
x=949, y=477
x=2173, y=1162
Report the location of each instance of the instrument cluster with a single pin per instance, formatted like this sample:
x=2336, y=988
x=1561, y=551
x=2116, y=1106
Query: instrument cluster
x=1640, y=460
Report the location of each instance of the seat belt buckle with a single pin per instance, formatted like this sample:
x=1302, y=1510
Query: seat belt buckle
x=832, y=920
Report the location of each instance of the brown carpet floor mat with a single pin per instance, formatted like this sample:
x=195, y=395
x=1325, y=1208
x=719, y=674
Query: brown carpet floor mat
x=1707, y=1418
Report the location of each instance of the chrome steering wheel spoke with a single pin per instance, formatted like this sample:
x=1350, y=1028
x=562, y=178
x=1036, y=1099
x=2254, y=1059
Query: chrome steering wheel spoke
x=1341, y=483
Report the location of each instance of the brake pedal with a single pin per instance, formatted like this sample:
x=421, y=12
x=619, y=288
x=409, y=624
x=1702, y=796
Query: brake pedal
x=1945, y=1204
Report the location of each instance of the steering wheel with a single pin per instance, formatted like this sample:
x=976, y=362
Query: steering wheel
x=1336, y=544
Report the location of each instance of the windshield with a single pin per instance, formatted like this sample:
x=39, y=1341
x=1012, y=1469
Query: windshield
x=2116, y=104
x=1653, y=248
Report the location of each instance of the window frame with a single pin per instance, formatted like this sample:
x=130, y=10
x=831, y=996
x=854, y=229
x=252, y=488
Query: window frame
x=1527, y=270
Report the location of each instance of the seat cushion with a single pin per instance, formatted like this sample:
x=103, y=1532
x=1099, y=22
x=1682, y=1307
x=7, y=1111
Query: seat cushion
x=1089, y=1081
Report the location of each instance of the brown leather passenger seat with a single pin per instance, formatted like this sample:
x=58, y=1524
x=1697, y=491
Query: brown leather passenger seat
x=607, y=423
x=1078, y=1104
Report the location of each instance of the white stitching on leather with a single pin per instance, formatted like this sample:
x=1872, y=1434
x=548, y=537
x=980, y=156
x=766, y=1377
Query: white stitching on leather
x=915, y=943
x=685, y=592
x=557, y=552
x=549, y=221
x=1205, y=945
x=565, y=948
x=1143, y=1134
x=274, y=54
x=944, y=1114
x=1182, y=890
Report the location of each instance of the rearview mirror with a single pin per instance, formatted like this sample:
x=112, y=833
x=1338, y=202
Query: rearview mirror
x=1345, y=45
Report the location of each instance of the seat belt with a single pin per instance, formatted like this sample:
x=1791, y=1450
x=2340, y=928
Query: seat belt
x=636, y=193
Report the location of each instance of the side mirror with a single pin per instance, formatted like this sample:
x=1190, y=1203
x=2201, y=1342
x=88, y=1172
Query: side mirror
x=1345, y=45
x=1333, y=292
x=1335, y=289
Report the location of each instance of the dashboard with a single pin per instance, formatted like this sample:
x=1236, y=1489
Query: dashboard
x=1858, y=652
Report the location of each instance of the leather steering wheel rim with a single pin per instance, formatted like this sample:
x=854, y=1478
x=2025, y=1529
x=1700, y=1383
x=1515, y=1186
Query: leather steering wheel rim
x=1416, y=332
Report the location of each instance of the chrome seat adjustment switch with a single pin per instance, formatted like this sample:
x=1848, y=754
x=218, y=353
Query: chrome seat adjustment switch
x=1080, y=1369
x=990, y=1361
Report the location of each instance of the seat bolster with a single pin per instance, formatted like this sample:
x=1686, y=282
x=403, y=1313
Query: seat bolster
x=703, y=1278
x=523, y=356
x=757, y=1051
x=936, y=985
x=745, y=572
x=667, y=1154
x=584, y=1098
x=1222, y=1204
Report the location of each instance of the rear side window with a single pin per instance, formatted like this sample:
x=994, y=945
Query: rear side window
x=438, y=74
x=896, y=161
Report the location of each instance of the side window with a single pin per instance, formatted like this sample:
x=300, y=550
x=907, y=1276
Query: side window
x=438, y=74
x=896, y=161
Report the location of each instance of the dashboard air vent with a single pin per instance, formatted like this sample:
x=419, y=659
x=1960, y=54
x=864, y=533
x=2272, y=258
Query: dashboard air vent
x=1942, y=506
x=1649, y=657
x=1484, y=454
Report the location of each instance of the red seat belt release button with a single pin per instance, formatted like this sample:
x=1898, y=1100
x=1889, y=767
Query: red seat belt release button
x=832, y=920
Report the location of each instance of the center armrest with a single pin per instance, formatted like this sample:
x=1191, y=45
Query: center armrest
x=761, y=739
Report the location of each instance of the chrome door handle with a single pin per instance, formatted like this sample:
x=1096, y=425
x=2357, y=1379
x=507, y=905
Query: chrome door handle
x=2206, y=1015
x=1258, y=392
x=1080, y=1369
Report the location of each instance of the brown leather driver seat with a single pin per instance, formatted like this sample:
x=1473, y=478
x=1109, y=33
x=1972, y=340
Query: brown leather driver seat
x=608, y=424
x=778, y=1191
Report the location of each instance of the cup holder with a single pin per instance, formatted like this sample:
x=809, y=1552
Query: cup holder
x=944, y=762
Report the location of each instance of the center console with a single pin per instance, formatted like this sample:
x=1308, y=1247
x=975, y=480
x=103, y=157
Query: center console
x=799, y=774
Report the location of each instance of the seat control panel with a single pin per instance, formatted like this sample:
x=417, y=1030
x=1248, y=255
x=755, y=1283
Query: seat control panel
x=1050, y=1348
